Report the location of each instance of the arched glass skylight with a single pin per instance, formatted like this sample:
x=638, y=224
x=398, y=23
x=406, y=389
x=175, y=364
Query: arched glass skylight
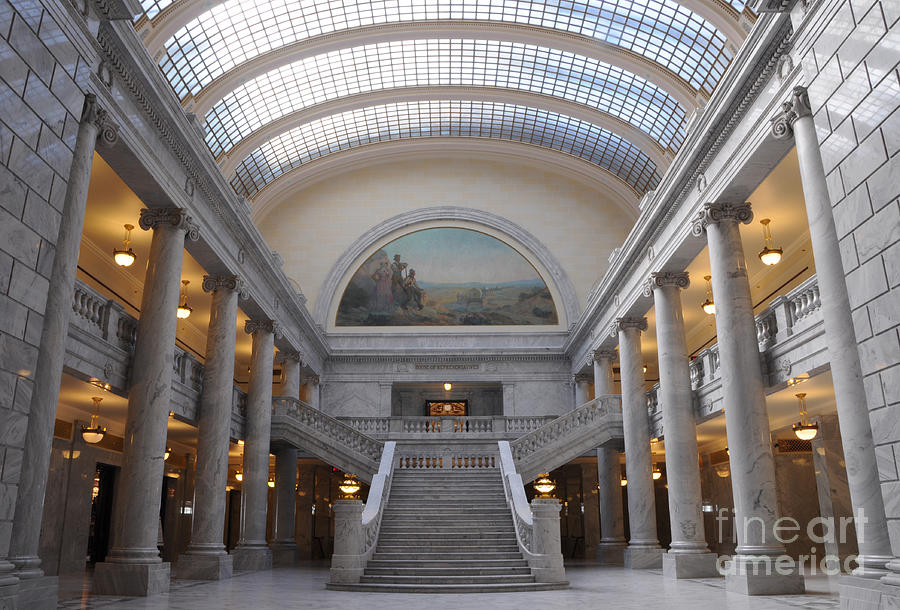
x=443, y=118
x=236, y=31
x=409, y=63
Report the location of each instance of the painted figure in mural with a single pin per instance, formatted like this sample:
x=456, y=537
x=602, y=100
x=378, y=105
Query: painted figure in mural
x=414, y=294
x=397, y=289
x=384, y=297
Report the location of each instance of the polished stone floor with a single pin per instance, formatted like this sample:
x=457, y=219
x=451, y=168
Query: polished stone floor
x=591, y=587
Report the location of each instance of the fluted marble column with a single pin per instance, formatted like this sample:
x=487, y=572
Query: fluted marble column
x=133, y=565
x=206, y=557
x=747, y=424
x=643, y=547
x=688, y=555
x=849, y=392
x=612, y=545
x=284, y=547
x=252, y=552
x=29, y=502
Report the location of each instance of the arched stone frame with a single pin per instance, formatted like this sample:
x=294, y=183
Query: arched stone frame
x=513, y=235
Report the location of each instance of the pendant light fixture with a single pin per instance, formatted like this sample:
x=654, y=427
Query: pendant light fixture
x=95, y=432
x=448, y=386
x=167, y=453
x=184, y=310
x=238, y=475
x=769, y=255
x=708, y=305
x=125, y=256
x=804, y=430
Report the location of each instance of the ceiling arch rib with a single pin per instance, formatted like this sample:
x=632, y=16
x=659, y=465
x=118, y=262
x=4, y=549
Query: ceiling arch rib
x=430, y=118
x=234, y=32
x=600, y=52
x=325, y=168
x=229, y=161
x=416, y=63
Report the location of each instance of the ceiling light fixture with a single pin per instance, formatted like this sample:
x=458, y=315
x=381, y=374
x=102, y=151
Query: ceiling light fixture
x=271, y=482
x=125, y=256
x=804, y=430
x=184, y=310
x=167, y=453
x=448, y=386
x=95, y=432
x=769, y=255
x=238, y=475
x=708, y=305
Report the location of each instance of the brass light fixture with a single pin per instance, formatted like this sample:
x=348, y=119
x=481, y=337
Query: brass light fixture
x=238, y=475
x=95, y=432
x=623, y=482
x=769, y=255
x=271, y=482
x=708, y=305
x=656, y=473
x=349, y=487
x=184, y=310
x=544, y=485
x=125, y=256
x=167, y=453
x=804, y=430
x=448, y=386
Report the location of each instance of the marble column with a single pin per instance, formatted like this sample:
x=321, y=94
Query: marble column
x=29, y=500
x=611, y=550
x=252, y=552
x=133, y=565
x=643, y=547
x=753, y=568
x=206, y=557
x=581, y=391
x=849, y=392
x=688, y=555
x=591, y=504
x=314, y=391
x=603, y=372
x=290, y=373
x=284, y=547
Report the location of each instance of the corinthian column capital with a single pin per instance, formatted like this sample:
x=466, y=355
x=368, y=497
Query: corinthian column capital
x=795, y=108
x=266, y=326
x=679, y=279
x=638, y=322
x=714, y=213
x=212, y=283
x=173, y=217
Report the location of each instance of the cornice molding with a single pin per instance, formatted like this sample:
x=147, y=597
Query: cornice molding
x=438, y=360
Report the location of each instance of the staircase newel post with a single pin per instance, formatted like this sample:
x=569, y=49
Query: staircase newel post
x=347, y=562
x=546, y=541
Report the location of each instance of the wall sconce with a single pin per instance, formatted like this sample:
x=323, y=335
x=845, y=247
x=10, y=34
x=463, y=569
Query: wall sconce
x=803, y=429
x=184, y=310
x=769, y=255
x=708, y=305
x=544, y=485
x=125, y=256
x=95, y=432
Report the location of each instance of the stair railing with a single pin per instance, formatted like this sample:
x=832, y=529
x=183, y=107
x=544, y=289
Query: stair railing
x=379, y=491
x=537, y=525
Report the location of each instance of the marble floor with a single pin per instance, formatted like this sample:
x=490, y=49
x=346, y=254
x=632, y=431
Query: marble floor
x=591, y=587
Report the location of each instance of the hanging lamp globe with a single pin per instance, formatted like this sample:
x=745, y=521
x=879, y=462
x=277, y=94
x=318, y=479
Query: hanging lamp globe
x=769, y=255
x=804, y=430
x=94, y=432
x=125, y=256
x=184, y=310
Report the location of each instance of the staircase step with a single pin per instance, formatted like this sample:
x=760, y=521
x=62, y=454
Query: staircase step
x=414, y=546
x=447, y=580
x=420, y=554
x=431, y=589
x=435, y=536
x=473, y=571
x=448, y=563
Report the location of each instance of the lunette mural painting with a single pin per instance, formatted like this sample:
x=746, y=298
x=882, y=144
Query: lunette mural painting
x=446, y=276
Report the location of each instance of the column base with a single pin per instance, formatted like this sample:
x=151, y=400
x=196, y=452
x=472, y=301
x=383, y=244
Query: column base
x=858, y=593
x=247, y=558
x=284, y=553
x=199, y=566
x=131, y=579
x=35, y=594
x=764, y=575
x=611, y=553
x=690, y=565
x=643, y=557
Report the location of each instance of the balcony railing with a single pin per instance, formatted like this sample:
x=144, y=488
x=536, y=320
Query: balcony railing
x=434, y=428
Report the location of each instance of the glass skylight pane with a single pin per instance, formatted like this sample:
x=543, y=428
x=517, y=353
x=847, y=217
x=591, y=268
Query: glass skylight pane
x=389, y=122
x=435, y=62
x=235, y=31
x=152, y=8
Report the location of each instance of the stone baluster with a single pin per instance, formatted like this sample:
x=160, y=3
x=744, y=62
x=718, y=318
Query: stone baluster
x=252, y=552
x=643, y=548
x=284, y=547
x=133, y=566
x=752, y=569
x=29, y=500
x=611, y=550
x=206, y=558
x=875, y=557
x=688, y=555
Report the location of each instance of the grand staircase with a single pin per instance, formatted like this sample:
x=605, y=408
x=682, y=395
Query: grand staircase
x=447, y=531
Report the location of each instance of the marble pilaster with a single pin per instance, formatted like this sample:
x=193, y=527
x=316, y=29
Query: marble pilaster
x=284, y=547
x=347, y=561
x=688, y=555
x=26, y=530
x=643, y=547
x=133, y=565
x=252, y=552
x=850, y=397
x=206, y=557
x=754, y=569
